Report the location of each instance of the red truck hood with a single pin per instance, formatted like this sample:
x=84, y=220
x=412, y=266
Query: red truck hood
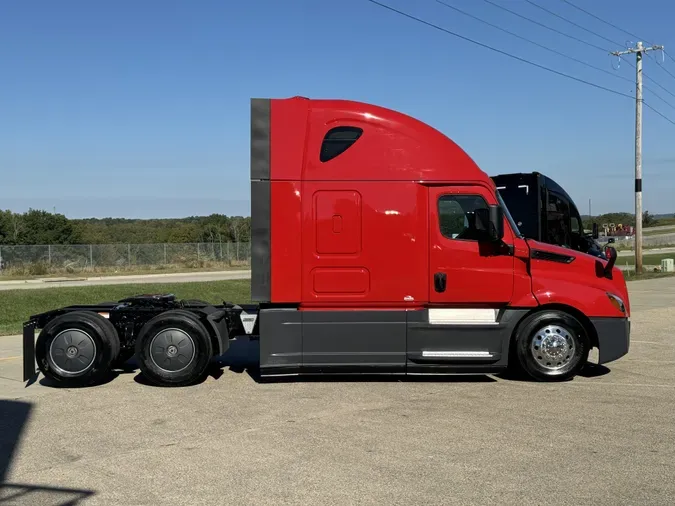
x=573, y=271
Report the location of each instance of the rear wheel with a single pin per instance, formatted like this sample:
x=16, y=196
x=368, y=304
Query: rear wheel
x=551, y=346
x=76, y=349
x=174, y=349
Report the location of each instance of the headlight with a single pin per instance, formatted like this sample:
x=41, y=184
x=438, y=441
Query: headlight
x=617, y=302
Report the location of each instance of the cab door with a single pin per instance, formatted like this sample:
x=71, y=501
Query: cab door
x=464, y=268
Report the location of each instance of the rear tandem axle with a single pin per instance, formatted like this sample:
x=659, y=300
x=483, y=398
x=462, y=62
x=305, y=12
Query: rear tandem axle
x=174, y=341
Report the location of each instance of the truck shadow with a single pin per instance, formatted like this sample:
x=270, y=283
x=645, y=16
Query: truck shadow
x=46, y=382
x=14, y=415
x=243, y=357
x=590, y=370
x=19, y=493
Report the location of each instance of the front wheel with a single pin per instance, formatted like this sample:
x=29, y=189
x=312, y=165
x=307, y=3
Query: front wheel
x=552, y=346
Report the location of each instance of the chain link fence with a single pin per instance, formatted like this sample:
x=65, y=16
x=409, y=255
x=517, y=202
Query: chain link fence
x=46, y=259
x=648, y=241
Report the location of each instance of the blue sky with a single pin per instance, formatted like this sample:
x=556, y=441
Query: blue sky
x=140, y=108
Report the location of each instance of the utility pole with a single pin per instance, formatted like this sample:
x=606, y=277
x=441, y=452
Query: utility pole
x=639, y=49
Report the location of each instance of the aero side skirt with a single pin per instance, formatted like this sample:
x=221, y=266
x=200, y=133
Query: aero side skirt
x=260, y=200
x=386, y=341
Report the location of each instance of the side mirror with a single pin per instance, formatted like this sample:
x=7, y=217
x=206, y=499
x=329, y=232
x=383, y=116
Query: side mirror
x=596, y=234
x=496, y=223
x=606, y=270
x=611, y=255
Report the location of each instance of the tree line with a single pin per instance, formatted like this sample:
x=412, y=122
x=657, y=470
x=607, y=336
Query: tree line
x=648, y=220
x=43, y=227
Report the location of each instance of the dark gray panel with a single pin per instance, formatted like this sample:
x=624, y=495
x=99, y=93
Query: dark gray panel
x=260, y=139
x=494, y=339
x=28, y=350
x=613, y=338
x=354, y=340
x=280, y=340
x=261, y=290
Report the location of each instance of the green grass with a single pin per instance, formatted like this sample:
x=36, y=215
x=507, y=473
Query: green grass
x=16, y=306
x=654, y=259
x=658, y=231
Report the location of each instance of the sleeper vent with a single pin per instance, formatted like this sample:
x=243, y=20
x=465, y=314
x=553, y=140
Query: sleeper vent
x=338, y=140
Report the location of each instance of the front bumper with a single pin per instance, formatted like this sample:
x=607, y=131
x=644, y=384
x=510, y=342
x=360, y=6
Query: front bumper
x=613, y=338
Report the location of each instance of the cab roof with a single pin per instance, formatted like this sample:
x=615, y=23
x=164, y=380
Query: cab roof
x=318, y=139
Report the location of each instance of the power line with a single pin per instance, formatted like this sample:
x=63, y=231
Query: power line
x=570, y=22
x=621, y=30
x=659, y=96
x=571, y=37
x=654, y=81
x=548, y=69
x=662, y=67
x=613, y=74
x=657, y=112
x=604, y=21
x=546, y=26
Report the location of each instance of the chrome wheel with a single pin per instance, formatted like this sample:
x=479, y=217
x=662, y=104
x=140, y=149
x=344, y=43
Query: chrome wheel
x=72, y=352
x=553, y=347
x=172, y=350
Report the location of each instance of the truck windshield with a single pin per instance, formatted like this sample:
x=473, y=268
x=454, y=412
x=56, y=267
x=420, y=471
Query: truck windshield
x=509, y=218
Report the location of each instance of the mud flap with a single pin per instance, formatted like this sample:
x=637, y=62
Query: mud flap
x=28, y=350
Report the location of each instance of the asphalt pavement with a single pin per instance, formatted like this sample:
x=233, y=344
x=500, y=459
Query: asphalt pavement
x=605, y=438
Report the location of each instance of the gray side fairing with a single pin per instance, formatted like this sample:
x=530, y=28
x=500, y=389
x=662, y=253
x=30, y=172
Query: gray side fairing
x=260, y=199
x=261, y=290
x=280, y=333
x=260, y=139
x=323, y=342
x=470, y=348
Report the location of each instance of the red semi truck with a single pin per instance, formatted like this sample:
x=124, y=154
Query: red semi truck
x=378, y=246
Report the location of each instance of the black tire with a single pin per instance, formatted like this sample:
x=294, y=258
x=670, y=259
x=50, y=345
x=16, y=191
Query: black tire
x=76, y=349
x=174, y=349
x=551, y=345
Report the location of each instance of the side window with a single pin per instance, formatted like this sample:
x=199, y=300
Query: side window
x=463, y=216
x=558, y=217
x=576, y=225
x=338, y=140
x=543, y=232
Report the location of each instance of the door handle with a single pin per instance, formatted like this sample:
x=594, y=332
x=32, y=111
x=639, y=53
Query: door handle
x=439, y=281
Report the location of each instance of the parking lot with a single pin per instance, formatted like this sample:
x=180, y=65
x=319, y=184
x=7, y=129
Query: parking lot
x=608, y=437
